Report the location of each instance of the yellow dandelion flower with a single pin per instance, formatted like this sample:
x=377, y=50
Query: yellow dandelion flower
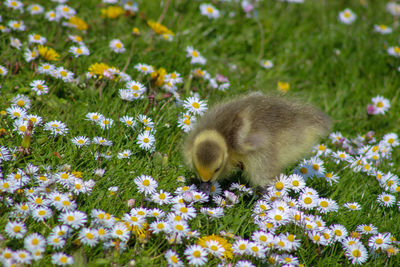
x=98, y=69
x=135, y=31
x=228, y=253
x=283, y=87
x=112, y=12
x=158, y=76
x=159, y=28
x=78, y=23
x=77, y=174
x=48, y=53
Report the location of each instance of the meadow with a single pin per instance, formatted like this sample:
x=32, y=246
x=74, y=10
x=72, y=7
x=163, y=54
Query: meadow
x=96, y=98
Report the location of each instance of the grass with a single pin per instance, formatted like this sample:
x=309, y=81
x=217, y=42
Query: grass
x=334, y=66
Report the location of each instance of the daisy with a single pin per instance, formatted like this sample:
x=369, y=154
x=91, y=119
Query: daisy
x=124, y=154
x=144, y=68
x=117, y=46
x=55, y=240
x=134, y=220
x=56, y=128
x=23, y=256
x=35, y=9
x=30, y=55
x=15, y=229
x=159, y=226
x=136, y=87
x=64, y=74
x=128, y=121
x=308, y=201
x=146, y=184
x=339, y=231
x=386, y=200
x=16, y=43
x=41, y=214
x=213, y=212
x=52, y=16
x=14, y=4
x=391, y=139
x=120, y=231
x=347, y=16
x=244, y=263
x=186, y=122
x=81, y=141
x=186, y=212
x=102, y=141
x=367, y=229
x=61, y=259
x=44, y=68
x=105, y=123
x=394, y=51
x=65, y=11
x=35, y=38
x=381, y=104
x=209, y=10
x=195, y=105
x=180, y=228
x=145, y=120
x=16, y=25
x=393, y=8
x=199, y=197
x=357, y=253
x=382, y=29
x=267, y=64
x=326, y=205
x=195, y=56
x=34, y=242
x=352, y=206
x=3, y=71
x=78, y=51
x=196, y=255
x=241, y=246
x=331, y=178
x=95, y=116
x=88, y=236
x=146, y=141
x=161, y=197
x=75, y=219
x=173, y=258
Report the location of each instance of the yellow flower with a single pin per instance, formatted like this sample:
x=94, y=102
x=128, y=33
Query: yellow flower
x=48, y=53
x=77, y=174
x=136, y=31
x=98, y=69
x=159, y=28
x=78, y=23
x=112, y=12
x=158, y=76
x=283, y=87
x=228, y=254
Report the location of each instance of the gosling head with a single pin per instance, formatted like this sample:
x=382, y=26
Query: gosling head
x=209, y=155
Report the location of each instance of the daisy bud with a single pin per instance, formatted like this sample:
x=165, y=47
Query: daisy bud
x=131, y=203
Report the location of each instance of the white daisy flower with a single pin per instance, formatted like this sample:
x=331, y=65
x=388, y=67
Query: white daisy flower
x=117, y=46
x=146, y=184
x=347, y=16
x=210, y=11
x=195, y=105
x=146, y=141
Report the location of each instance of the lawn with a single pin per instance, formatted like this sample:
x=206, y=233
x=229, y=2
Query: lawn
x=96, y=98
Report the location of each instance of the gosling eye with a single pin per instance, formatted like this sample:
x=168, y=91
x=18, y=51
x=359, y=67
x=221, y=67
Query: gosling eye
x=217, y=169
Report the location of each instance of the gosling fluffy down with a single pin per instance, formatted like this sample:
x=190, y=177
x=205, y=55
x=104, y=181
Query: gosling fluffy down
x=259, y=134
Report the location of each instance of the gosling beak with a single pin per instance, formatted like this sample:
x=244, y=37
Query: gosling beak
x=204, y=175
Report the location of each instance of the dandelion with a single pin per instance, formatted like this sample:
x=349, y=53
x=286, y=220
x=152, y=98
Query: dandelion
x=159, y=28
x=283, y=86
x=117, y=46
x=347, y=16
x=48, y=53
